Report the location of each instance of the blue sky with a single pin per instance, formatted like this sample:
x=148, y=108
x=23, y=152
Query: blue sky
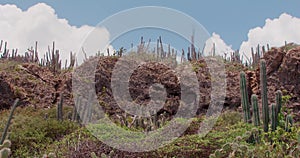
x=232, y=24
x=231, y=19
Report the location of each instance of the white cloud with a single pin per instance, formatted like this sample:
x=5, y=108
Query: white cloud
x=220, y=46
x=275, y=32
x=40, y=23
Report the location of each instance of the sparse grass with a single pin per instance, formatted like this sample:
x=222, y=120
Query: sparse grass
x=33, y=135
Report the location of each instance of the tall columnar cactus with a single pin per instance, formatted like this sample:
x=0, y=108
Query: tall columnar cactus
x=264, y=96
x=74, y=114
x=288, y=123
x=256, y=119
x=274, y=117
x=278, y=104
x=278, y=101
x=8, y=121
x=60, y=108
x=244, y=97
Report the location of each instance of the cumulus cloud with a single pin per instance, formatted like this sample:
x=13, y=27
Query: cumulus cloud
x=220, y=46
x=275, y=32
x=40, y=23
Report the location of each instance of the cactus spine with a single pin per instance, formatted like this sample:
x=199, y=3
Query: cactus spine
x=264, y=96
x=244, y=97
x=274, y=117
x=8, y=121
x=256, y=119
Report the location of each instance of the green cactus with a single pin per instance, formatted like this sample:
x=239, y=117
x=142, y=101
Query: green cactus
x=244, y=97
x=60, y=108
x=288, y=123
x=74, y=114
x=256, y=119
x=278, y=104
x=8, y=121
x=274, y=117
x=264, y=96
x=278, y=100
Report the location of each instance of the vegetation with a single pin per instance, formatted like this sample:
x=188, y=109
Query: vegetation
x=59, y=132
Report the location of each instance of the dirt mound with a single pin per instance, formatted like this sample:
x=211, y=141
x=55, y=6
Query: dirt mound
x=35, y=86
x=7, y=95
x=151, y=73
x=38, y=86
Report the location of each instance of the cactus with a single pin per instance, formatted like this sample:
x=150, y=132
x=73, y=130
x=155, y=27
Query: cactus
x=74, y=114
x=256, y=119
x=278, y=104
x=274, y=117
x=8, y=121
x=244, y=97
x=288, y=123
x=60, y=108
x=264, y=96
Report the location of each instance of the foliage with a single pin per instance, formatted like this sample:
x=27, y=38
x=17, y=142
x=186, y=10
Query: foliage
x=31, y=132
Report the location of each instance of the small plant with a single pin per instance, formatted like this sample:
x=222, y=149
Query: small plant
x=5, y=150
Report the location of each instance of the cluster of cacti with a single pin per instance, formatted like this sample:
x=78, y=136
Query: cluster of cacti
x=50, y=59
x=258, y=54
x=275, y=108
x=147, y=124
x=85, y=109
x=5, y=149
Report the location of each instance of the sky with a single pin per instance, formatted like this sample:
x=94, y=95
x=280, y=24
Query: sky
x=232, y=24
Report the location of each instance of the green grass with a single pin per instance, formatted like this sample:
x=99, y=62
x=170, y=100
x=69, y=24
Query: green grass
x=32, y=136
x=30, y=133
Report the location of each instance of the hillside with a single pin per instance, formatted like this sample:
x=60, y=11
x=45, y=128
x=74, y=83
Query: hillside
x=40, y=90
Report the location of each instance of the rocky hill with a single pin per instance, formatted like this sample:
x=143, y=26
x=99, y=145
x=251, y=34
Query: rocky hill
x=37, y=86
